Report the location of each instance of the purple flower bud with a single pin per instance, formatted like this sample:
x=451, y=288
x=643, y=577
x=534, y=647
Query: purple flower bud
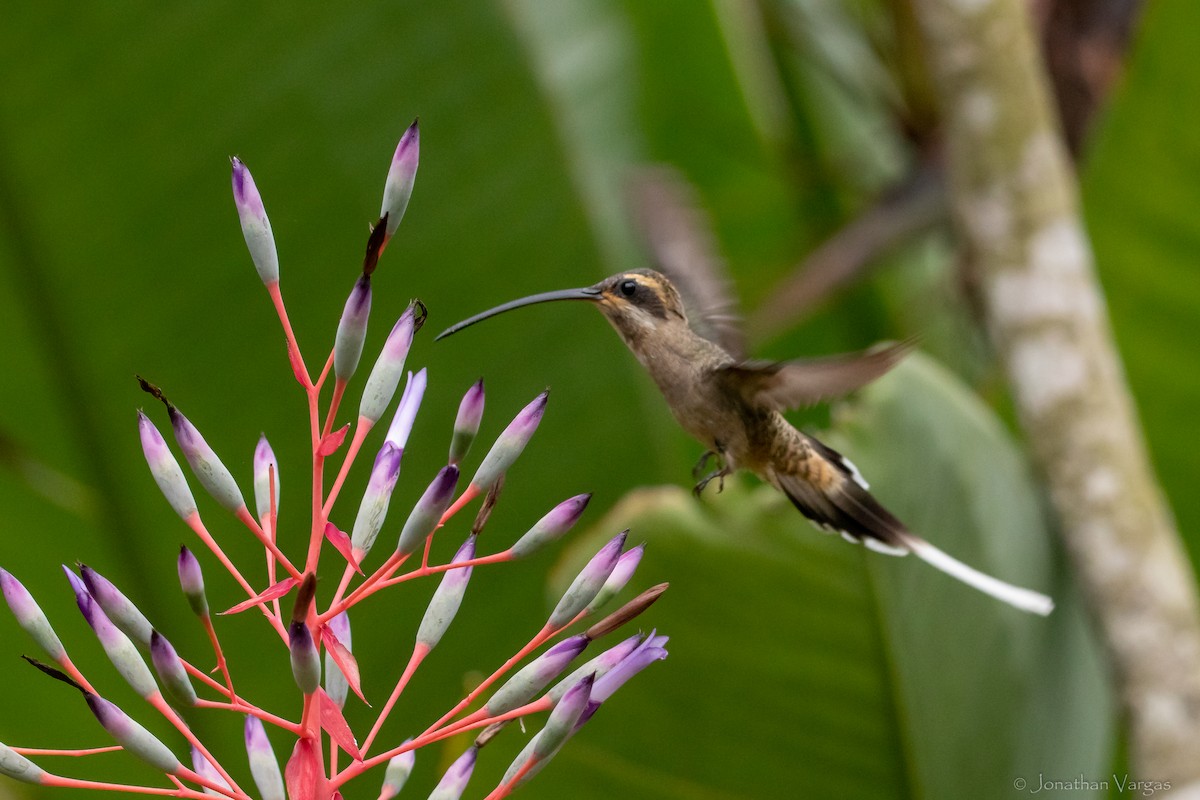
x=403, y=172
x=651, y=650
x=406, y=411
x=466, y=424
x=171, y=671
x=511, y=442
x=447, y=598
x=165, y=468
x=191, y=580
x=206, y=466
x=428, y=511
x=119, y=608
x=264, y=767
x=204, y=768
x=534, y=676
x=385, y=375
x=264, y=460
x=18, y=767
x=132, y=736
x=30, y=616
x=255, y=225
x=352, y=330
x=336, y=685
x=306, y=661
x=117, y=646
x=398, y=770
x=620, y=577
x=598, y=666
x=375, y=501
x=550, y=527
x=454, y=782
x=588, y=582
x=563, y=719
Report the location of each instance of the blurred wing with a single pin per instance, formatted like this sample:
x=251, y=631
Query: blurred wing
x=792, y=384
x=679, y=236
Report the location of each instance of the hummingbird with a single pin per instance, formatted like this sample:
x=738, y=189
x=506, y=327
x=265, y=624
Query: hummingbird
x=733, y=405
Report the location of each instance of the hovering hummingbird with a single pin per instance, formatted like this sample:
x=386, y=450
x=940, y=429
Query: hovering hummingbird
x=733, y=405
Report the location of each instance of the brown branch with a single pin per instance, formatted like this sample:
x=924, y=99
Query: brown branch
x=1013, y=196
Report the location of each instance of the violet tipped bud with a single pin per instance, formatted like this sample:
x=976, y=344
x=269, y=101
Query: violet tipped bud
x=563, y=719
x=385, y=375
x=306, y=661
x=454, y=782
x=255, y=225
x=132, y=736
x=466, y=424
x=165, y=469
x=652, y=649
x=191, y=580
x=266, y=472
x=372, y=511
x=205, y=769
x=597, y=666
x=447, y=598
x=552, y=526
x=264, y=767
x=30, y=616
x=336, y=685
x=428, y=511
x=117, y=646
x=402, y=173
x=119, y=608
x=511, y=442
x=398, y=770
x=352, y=330
x=18, y=767
x=406, y=411
x=213, y=475
x=535, y=676
x=588, y=582
x=171, y=671
x=627, y=564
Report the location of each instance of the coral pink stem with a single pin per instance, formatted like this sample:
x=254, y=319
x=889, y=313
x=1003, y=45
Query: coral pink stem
x=414, y=661
x=87, y=751
x=505, y=789
x=244, y=516
x=362, y=428
x=78, y=783
x=293, y=349
x=197, y=525
x=160, y=704
x=339, y=388
x=221, y=663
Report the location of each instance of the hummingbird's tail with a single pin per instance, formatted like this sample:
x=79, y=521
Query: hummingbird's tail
x=844, y=505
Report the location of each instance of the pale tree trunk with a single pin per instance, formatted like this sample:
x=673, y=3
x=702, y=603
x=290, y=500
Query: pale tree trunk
x=1014, y=200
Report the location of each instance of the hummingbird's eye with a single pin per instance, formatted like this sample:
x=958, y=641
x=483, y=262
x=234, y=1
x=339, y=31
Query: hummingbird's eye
x=627, y=288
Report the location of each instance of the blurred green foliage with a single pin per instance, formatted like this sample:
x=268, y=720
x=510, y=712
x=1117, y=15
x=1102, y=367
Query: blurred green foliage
x=799, y=666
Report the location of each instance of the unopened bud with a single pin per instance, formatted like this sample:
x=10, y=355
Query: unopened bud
x=119, y=608
x=428, y=511
x=406, y=411
x=454, y=782
x=535, y=676
x=466, y=424
x=30, y=616
x=205, y=769
x=165, y=468
x=385, y=375
x=117, y=646
x=255, y=225
x=652, y=649
x=626, y=612
x=206, y=466
x=336, y=685
x=550, y=527
x=511, y=442
x=563, y=719
x=398, y=770
x=266, y=471
x=372, y=511
x=191, y=580
x=170, y=670
x=306, y=661
x=352, y=330
x=447, y=598
x=264, y=767
x=18, y=767
x=597, y=666
x=402, y=173
x=132, y=736
x=588, y=582
x=620, y=577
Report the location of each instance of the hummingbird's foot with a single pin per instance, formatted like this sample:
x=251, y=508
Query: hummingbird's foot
x=719, y=475
x=702, y=464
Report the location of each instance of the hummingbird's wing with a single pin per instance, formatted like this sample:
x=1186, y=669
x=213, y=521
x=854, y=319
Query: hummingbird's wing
x=679, y=236
x=792, y=384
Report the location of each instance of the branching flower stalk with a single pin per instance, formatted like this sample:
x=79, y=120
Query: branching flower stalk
x=318, y=640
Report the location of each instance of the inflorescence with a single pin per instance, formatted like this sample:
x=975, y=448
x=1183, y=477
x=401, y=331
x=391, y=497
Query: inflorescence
x=170, y=684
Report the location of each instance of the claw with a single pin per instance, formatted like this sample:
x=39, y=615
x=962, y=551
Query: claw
x=719, y=475
x=702, y=464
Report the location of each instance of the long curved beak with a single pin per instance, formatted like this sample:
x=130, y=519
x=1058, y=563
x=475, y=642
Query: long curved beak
x=590, y=293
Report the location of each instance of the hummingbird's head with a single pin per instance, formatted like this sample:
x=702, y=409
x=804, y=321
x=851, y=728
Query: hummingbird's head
x=635, y=302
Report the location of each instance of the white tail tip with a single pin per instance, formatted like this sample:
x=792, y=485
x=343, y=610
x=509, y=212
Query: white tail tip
x=1015, y=596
